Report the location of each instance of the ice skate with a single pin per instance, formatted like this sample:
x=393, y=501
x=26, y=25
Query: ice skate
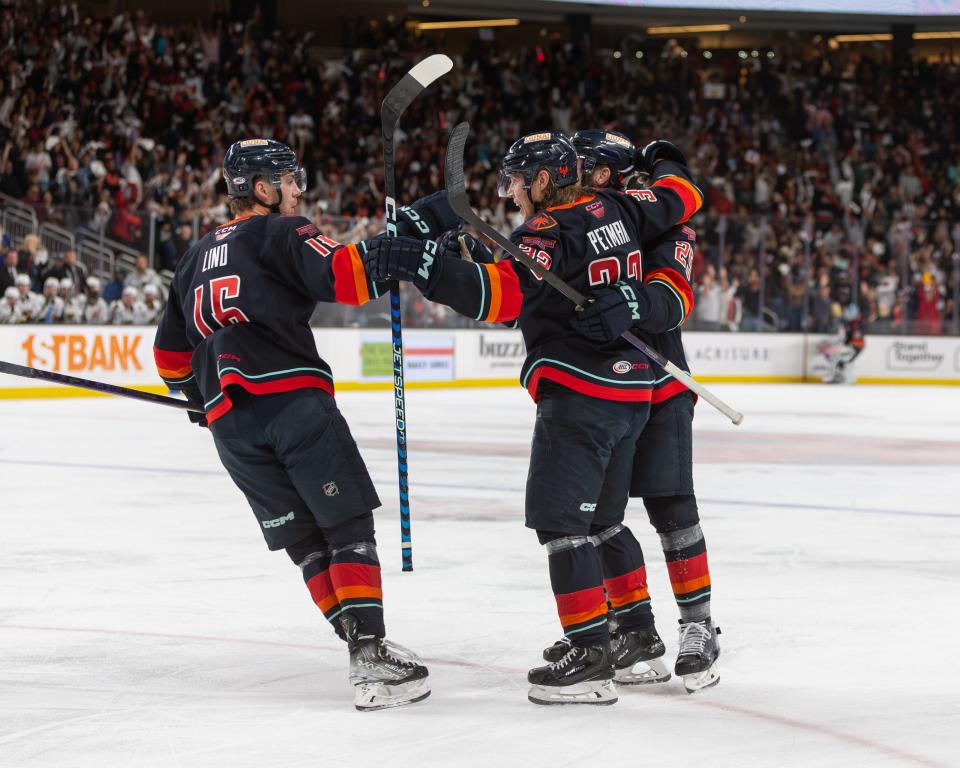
x=583, y=675
x=556, y=651
x=383, y=674
x=637, y=657
x=699, y=651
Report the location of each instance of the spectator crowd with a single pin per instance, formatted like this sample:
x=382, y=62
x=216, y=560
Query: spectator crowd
x=832, y=176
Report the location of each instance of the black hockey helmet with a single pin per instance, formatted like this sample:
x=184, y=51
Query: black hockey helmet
x=549, y=151
x=596, y=146
x=250, y=159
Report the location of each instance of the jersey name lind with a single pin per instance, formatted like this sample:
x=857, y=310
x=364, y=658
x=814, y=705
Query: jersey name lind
x=215, y=257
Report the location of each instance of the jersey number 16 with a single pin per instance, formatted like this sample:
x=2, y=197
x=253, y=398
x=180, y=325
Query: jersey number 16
x=221, y=290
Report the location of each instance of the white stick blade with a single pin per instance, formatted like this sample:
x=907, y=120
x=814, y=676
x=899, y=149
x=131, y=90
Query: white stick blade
x=431, y=68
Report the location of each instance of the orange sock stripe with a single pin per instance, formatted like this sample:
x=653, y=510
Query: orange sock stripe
x=321, y=590
x=633, y=596
x=683, y=587
x=569, y=619
x=345, y=593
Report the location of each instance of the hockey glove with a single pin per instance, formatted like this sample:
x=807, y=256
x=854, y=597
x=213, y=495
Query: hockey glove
x=657, y=150
x=427, y=218
x=400, y=258
x=449, y=247
x=611, y=311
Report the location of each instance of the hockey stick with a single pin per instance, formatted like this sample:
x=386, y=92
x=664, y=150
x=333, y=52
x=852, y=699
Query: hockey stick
x=457, y=195
x=97, y=386
x=394, y=105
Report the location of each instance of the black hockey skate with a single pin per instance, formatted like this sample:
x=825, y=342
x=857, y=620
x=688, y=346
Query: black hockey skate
x=699, y=651
x=583, y=675
x=556, y=651
x=637, y=657
x=383, y=674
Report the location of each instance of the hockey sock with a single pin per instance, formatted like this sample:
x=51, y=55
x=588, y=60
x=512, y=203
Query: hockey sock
x=355, y=573
x=686, y=554
x=576, y=576
x=625, y=577
x=677, y=521
x=312, y=555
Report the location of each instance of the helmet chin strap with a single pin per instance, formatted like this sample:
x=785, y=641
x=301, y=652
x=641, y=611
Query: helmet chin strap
x=272, y=207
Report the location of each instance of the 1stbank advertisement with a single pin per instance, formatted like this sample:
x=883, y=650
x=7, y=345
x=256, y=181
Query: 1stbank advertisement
x=114, y=354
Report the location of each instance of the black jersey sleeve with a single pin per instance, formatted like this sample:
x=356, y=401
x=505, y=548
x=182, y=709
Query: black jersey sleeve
x=667, y=272
x=172, y=350
x=487, y=292
x=671, y=198
x=301, y=256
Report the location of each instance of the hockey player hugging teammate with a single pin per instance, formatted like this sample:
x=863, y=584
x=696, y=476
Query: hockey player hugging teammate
x=593, y=399
x=235, y=336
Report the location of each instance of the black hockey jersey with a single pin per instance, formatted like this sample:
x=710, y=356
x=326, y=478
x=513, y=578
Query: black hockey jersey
x=240, y=306
x=593, y=241
x=667, y=272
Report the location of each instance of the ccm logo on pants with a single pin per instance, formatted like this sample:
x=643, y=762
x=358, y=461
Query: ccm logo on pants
x=278, y=521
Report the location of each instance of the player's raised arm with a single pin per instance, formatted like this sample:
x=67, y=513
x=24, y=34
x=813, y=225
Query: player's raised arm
x=670, y=198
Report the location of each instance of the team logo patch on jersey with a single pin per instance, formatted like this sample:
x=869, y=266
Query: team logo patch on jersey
x=542, y=221
x=622, y=366
x=596, y=209
x=542, y=243
x=223, y=232
x=308, y=230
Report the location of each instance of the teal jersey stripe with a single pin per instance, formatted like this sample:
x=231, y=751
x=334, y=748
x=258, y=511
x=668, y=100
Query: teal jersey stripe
x=539, y=361
x=483, y=291
x=569, y=632
x=211, y=402
x=683, y=309
x=220, y=372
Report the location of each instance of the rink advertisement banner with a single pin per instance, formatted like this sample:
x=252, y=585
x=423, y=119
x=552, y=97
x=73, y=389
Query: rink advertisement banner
x=365, y=359
x=122, y=355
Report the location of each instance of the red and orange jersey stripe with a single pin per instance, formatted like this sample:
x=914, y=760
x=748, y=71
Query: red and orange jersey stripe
x=676, y=281
x=506, y=296
x=349, y=277
x=565, y=206
x=689, y=194
x=172, y=365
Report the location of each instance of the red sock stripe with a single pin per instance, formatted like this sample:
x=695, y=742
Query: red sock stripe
x=321, y=590
x=688, y=575
x=629, y=588
x=583, y=605
x=352, y=580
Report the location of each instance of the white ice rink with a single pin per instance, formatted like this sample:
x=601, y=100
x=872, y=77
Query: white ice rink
x=144, y=623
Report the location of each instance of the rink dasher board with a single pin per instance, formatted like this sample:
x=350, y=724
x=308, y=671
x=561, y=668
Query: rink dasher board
x=362, y=358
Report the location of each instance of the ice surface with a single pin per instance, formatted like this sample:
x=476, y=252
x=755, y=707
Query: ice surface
x=143, y=622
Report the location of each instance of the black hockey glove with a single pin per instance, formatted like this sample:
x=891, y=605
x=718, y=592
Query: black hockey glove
x=656, y=150
x=611, y=311
x=400, y=258
x=200, y=419
x=427, y=218
x=449, y=247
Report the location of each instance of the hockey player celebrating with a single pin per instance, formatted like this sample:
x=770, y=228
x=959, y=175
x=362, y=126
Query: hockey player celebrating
x=593, y=401
x=663, y=464
x=235, y=336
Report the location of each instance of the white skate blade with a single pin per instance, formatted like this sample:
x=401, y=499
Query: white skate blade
x=643, y=673
x=602, y=692
x=702, y=680
x=371, y=696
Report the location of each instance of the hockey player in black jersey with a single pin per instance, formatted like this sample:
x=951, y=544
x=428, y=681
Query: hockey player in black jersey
x=235, y=336
x=663, y=464
x=592, y=400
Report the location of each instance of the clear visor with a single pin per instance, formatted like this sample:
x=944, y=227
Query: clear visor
x=299, y=177
x=509, y=183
